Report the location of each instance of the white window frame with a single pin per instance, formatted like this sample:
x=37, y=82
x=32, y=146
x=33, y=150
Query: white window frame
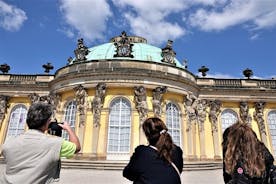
x=123, y=113
x=173, y=122
x=70, y=114
x=271, y=122
x=228, y=117
x=18, y=118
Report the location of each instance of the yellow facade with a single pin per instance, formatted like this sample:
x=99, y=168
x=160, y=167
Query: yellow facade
x=121, y=76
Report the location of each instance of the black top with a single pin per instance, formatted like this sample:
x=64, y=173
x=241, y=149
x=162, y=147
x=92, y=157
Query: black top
x=146, y=167
x=228, y=178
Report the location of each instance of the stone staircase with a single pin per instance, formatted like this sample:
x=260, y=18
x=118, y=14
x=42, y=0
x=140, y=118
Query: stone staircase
x=119, y=165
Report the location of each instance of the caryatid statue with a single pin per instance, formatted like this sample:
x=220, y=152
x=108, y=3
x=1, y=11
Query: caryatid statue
x=190, y=102
x=201, y=113
x=34, y=97
x=81, y=97
x=213, y=114
x=259, y=115
x=157, y=99
x=140, y=98
x=244, y=112
x=97, y=102
x=3, y=107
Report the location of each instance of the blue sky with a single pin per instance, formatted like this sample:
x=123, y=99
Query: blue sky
x=227, y=36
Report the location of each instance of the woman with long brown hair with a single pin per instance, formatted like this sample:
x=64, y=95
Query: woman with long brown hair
x=160, y=162
x=245, y=158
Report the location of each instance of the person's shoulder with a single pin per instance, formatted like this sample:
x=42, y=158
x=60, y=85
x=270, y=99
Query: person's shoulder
x=177, y=149
x=141, y=148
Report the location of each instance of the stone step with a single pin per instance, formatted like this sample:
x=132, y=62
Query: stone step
x=119, y=165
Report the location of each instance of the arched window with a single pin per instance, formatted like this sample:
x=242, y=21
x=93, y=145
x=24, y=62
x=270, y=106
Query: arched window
x=228, y=118
x=271, y=121
x=173, y=122
x=17, y=121
x=119, y=126
x=70, y=117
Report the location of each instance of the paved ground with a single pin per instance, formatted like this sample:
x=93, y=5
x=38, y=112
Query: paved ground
x=81, y=176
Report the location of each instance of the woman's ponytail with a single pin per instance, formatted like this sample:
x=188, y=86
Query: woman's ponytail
x=157, y=135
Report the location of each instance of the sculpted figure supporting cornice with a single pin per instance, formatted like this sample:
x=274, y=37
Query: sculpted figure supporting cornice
x=34, y=98
x=244, y=112
x=157, y=98
x=190, y=103
x=81, y=98
x=201, y=113
x=3, y=107
x=213, y=114
x=259, y=116
x=97, y=103
x=140, y=98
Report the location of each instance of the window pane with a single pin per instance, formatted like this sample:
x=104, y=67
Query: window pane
x=228, y=118
x=272, y=127
x=17, y=121
x=70, y=117
x=119, y=126
x=173, y=122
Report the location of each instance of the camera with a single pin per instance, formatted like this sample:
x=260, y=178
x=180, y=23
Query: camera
x=55, y=129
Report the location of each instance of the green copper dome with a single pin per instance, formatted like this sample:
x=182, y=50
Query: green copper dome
x=140, y=51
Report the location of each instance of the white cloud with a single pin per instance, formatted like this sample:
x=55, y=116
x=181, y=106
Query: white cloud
x=147, y=18
x=11, y=17
x=87, y=17
x=259, y=13
x=219, y=76
x=160, y=20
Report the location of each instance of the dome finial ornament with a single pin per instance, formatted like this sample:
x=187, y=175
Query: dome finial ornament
x=203, y=70
x=248, y=73
x=48, y=67
x=123, y=46
x=4, y=68
x=168, y=53
x=81, y=52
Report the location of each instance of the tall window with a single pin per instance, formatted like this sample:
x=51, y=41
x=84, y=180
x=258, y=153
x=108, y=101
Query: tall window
x=173, y=122
x=17, y=120
x=228, y=118
x=119, y=126
x=271, y=121
x=70, y=117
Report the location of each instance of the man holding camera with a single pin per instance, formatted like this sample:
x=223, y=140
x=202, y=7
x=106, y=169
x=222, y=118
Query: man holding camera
x=34, y=157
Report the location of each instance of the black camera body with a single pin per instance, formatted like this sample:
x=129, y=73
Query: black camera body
x=55, y=129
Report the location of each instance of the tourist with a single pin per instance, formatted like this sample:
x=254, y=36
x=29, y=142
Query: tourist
x=245, y=158
x=160, y=162
x=33, y=157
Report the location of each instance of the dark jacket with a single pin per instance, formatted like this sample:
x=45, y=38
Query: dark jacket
x=145, y=167
x=233, y=179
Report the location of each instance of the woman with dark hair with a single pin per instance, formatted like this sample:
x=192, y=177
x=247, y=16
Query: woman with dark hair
x=160, y=162
x=245, y=158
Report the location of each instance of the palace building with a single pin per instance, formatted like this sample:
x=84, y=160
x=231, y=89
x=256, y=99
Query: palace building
x=105, y=92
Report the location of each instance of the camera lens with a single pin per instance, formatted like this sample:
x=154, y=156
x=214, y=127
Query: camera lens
x=55, y=129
